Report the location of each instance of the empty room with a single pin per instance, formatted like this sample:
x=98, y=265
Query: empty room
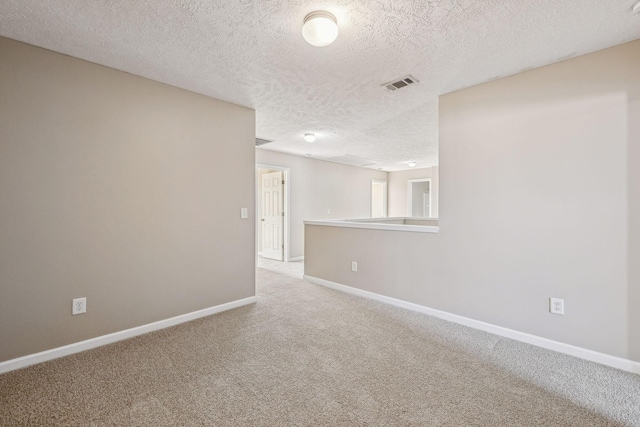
x=337, y=213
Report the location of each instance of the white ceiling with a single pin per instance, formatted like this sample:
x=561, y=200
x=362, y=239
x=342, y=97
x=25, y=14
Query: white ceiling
x=251, y=52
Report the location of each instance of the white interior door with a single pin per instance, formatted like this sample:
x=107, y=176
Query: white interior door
x=419, y=198
x=426, y=208
x=272, y=216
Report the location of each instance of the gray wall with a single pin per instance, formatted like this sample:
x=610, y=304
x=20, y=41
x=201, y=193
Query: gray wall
x=398, y=189
x=318, y=185
x=118, y=189
x=539, y=198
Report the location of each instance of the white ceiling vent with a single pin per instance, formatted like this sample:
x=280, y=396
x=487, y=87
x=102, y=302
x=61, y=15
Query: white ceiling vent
x=352, y=160
x=399, y=84
x=262, y=141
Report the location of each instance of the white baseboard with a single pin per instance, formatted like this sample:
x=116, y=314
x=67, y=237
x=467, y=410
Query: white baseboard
x=582, y=353
x=298, y=258
x=54, y=353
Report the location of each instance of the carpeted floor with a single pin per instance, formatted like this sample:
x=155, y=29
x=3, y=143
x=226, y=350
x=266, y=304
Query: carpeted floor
x=309, y=356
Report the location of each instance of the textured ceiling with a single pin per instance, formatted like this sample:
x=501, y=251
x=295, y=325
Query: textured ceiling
x=251, y=52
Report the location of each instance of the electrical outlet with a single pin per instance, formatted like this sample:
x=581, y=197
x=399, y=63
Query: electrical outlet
x=354, y=266
x=244, y=213
x=328, y=211
x=79, y=306
x=556, y=306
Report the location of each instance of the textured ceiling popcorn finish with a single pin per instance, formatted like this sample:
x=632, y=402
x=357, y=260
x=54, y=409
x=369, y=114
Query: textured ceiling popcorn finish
x=252, y=53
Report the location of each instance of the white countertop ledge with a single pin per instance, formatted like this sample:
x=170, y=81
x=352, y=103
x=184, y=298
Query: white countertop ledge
x=373, y=226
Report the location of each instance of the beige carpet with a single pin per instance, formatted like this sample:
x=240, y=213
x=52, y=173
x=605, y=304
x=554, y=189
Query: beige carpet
x=309, y=356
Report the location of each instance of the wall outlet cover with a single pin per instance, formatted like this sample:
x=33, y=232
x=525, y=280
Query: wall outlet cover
x=556, y=306
x=79, y=306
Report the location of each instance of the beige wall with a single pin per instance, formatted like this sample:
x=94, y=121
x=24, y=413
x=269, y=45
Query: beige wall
x=398, y=189
x=398, y=264
x=539, y=196
x=633, y=168
x=318, y=185
x=118, y=189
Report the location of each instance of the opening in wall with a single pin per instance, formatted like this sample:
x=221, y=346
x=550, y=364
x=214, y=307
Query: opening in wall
x=419, y=198
x=272, y=208
x=378, y=198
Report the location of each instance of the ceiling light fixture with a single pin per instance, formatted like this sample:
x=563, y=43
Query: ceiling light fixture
x=412, y=164
x=309, y=137
x=636, y=7
x=320, y=28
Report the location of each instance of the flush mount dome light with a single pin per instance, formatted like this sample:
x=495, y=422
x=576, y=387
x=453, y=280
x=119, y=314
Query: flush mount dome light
x=320, y=28
x=412, y=164
x=309, y=137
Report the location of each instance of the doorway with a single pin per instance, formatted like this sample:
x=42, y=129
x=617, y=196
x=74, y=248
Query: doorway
x=272, y=212
x=378, y=198
x=419, y=198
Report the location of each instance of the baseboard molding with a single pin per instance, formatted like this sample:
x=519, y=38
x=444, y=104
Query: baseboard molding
x=582, y=353
x=298, y=258
x=77, y=347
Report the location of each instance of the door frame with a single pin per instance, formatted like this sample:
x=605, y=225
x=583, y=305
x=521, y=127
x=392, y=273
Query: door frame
x=385, y=212
x=410, y=195
x=286, y=175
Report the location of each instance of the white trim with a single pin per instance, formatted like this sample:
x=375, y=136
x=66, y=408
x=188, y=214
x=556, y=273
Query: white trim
x=298, y=258
x=375, y=226
x=287, y=203
x=410, y=195
x=582, y=353
x=54, y=353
